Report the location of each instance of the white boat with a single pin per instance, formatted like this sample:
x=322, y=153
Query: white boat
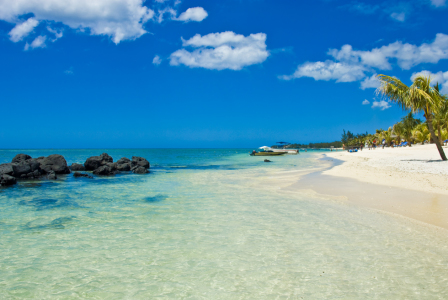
x=284, y=150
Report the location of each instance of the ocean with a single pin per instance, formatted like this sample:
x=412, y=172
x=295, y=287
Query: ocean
x=207, y=224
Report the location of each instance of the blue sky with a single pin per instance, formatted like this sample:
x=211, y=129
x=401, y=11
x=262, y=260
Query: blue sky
x=133, y=74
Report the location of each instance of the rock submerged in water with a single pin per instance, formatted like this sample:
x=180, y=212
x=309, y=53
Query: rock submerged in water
x=140, y=170
x=140, y=161
x=107, y=170
x=267, y=160
x=77, y=174
x=6, y=180
x=77, y=167
x=52, y=175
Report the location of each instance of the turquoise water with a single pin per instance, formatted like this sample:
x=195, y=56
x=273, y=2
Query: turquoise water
x=206, y=224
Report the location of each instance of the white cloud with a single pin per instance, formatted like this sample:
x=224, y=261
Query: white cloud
x=381, y=104
x=157, y=60
x=407, y=55
x=352, y=65
x=21, y=30
x=438, y=3
x=365, y=102
x=225, y=50
x=167, y=10
x=440, y=77
x=370, y=82
x=329, y=70
x=193, y=14
x=398, y=16
x=38, y=42
x=57, y=34
x=119, y=19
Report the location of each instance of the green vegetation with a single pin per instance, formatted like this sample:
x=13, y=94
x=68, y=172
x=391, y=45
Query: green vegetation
x=336, y=144
x=419, y=97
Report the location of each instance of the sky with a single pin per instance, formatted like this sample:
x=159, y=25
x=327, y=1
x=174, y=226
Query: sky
x=208, y=74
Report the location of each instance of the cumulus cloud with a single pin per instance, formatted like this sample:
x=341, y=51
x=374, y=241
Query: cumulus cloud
x=381, y=104
x=352, y=65
x=38, y=42
x=438, y=3
x=370, y=82
x=157, y=60
x=406, y=55
x=22, y=30
x=193, y=14
x=119, y=19
x=365, y=102
x=440, y=77
x=329, y=70
x=218, y=51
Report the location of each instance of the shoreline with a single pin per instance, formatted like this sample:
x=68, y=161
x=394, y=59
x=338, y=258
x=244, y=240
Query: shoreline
x=409, y=182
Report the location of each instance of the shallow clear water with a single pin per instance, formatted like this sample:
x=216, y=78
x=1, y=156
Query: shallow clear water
x=206, y=224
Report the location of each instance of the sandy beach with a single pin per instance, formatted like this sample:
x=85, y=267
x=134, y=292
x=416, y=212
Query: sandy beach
x=411, y=182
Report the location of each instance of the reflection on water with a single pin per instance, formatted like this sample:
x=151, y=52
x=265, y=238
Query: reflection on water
x=218, y=228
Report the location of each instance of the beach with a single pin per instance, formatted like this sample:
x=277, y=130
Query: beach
x=407, y=181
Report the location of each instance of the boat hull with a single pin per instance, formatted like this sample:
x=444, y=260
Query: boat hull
x=287, y=151
x=267, y=153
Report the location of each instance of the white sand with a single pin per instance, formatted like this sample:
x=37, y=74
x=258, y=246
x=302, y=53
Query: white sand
x=411, y=182
x=417, y=168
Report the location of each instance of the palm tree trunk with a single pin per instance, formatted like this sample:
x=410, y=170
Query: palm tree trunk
x=439, y=133
x=428, y=117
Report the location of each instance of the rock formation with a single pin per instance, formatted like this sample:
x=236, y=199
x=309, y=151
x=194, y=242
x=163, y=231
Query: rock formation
x=24, y=166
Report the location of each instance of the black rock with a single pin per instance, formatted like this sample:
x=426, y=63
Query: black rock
x=52, y=175
x=77, y=167
x=20, y=158
x=140, y=170
x=77, y=174
x=140, y=161
x=267, y=160
x=123, y=160
x=6, y=169
x=123, y=167
x=54, y=162
x=21, y=168
x=6, y=180
x=106, y=170
x=95, y=162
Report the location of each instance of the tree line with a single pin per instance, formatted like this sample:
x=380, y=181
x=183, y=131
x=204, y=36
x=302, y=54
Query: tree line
x=421, y=96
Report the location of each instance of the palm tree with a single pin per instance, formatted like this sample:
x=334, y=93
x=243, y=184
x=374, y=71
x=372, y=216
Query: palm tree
x=387, y=135
x=440, y=117
x=421, y=133
x=409, y=123
x=398, y=129
x=419, y=97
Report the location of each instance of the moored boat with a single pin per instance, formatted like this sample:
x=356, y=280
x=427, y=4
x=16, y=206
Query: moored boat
x=266, y=153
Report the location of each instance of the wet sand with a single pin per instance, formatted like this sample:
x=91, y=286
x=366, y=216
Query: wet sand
x=409, y=182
